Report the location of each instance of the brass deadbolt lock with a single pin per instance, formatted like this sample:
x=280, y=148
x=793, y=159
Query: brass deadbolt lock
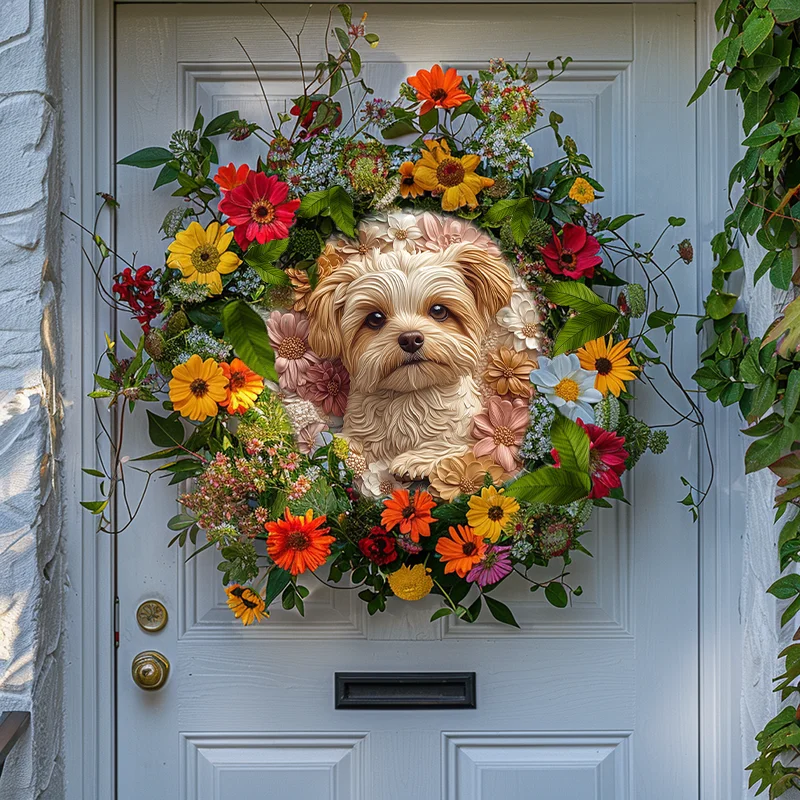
x=150, y=670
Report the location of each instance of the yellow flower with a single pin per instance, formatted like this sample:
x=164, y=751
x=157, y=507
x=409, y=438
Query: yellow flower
x=611, y=362
x=408, y=181
x=452, y=177
x=411, y=583
x=196, y=388
x=246, y=604
x=202, y=255
x=582, y=191
x=490, y=512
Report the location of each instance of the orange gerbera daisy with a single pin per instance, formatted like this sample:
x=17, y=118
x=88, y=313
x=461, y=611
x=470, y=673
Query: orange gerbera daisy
x=411, y=514
x=461, y=551
x=297, y=544
x=611, y=362
x=438, y=89
x=244, y=386
x=408, y=181
x=230, y=177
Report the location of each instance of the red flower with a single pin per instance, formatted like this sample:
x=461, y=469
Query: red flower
x=230, y=177
x=379, y=546
x=307, y=119
x=574, y=255
x=606, y=459
x=258, y=209
x=137, y=292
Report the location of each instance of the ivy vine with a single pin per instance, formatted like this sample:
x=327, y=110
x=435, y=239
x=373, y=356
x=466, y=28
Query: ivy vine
x=759, y=58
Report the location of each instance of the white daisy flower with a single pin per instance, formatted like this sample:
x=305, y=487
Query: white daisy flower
x=376, y=481
x=522, y=320
x=402, y=231
x=567, y=386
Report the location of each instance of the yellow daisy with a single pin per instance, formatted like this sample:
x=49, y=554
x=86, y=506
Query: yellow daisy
x=411, y=583
x=202, y=255
x=582, y=191
x=197, y=387
x=246, y=604
x=490, y=512
x=452, y=177
x=611, y=362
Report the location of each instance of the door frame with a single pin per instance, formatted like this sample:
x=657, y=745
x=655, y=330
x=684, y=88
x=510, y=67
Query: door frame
x=88, y=69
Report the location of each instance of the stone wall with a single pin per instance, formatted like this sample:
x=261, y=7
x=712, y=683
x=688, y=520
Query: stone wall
x=32, y=576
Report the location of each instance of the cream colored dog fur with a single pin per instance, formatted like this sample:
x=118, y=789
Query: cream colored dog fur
x=408, y=328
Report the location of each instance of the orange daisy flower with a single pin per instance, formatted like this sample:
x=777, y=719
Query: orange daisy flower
x=411, y=514
x=297, y=544
x=438, y=89
x=461, y=551
x=230, y=177
x=408, y=181
x=244, y=386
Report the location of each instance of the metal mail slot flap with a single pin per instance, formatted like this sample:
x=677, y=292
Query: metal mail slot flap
x=400, y=690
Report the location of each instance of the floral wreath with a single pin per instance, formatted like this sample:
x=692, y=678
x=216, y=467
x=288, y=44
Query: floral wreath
x=254, y=414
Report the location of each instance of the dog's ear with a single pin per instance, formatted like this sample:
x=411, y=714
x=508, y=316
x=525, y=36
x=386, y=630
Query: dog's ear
x=486, y=275
x=324, y=305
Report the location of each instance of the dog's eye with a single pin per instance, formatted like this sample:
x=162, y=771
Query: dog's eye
x=439, y=313
x=375, y=320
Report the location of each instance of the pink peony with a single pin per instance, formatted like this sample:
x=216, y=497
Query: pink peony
x=288, y=334
x=499, y=429
x=258, y=209
x=440, y=232
x=327, y=384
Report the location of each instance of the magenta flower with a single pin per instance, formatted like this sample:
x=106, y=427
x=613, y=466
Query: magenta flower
x=288, y=333
x=327, y=384
x=493, y=567
x=499, y=429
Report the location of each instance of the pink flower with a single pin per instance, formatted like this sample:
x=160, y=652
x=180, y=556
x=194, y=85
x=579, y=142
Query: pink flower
x=310, y=437
x=288, y=333
x=499, y=429
x=440, y=232
x=493, y=567
x=574, y=255
x=258, y=209
x=606, y=459
x=327, y=384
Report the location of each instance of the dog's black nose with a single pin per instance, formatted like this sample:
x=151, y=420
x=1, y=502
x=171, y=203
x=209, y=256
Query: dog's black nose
x=410, y=341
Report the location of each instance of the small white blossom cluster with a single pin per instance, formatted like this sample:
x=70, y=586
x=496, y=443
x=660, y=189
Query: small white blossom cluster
x=245, y=281
x=189, y=293
x=537, y=443
x=198, y=342
x=320, y=168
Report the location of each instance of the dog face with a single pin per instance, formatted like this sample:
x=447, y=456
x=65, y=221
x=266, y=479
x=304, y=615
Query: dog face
x=408, y=321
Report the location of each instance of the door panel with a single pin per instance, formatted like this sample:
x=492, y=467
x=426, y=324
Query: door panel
x=595, y=701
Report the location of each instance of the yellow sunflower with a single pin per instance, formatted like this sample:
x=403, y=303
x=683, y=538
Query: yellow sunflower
x=202, y=255
x=452, y=177
x=490, y=512
x=411, y=583
x=611, y=362
x=197, y=387
x=582, y=191
x=246, y=604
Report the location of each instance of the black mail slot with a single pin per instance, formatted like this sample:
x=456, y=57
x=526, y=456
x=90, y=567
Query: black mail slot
x=405, y=690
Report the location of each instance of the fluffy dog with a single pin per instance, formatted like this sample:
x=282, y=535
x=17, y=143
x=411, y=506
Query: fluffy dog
x=408, y=328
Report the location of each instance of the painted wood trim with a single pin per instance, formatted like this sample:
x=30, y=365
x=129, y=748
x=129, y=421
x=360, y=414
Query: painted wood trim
x=89, y=691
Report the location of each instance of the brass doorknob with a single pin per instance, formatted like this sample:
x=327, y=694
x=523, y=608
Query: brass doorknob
x=150, y=670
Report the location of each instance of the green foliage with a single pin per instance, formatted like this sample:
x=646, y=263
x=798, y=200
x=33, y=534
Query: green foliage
x=759, y=58
x=247, y=333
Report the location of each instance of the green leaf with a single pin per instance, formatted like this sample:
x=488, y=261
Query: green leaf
x=757, y=27
x=277, y=581
x=346, y=12
x=556, y=595
x=340, y=205
x=95, y=506
x=274, y=276
x=167, y=175
x=500, y=611
x=441, y=612
x=586, y=327
x=400, y=128
x=265, y=255
x=763, y=135
x=313, y=204
x=720, y=304
x=165, y=431
x=572, y=444
x=785, y=10
x=791, y=395
x=221, y=124
x=500, y=211
x=372, y=39
x=780, y=273
x=95, y=473
x=344, y=39
x=785, y=330
x=551, y=485
x=147, y=158
x=355, y=62
x=428, y=121
x=521, y=219
x=573, y=295
x=731, y=261
x=705, y=82
x=785, y=587
x=618, y=222
x=247, y=333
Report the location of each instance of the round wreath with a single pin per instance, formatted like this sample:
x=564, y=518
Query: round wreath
x=411, y=362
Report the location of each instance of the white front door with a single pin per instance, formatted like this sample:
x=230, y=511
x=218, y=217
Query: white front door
x=598, y=701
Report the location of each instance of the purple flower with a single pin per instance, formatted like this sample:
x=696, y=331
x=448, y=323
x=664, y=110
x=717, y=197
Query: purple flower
x=493, y=567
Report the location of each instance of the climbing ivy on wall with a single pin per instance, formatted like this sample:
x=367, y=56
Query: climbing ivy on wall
x=759, y=58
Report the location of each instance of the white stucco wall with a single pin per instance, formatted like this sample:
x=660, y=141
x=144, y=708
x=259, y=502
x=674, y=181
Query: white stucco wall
x=31, y=555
